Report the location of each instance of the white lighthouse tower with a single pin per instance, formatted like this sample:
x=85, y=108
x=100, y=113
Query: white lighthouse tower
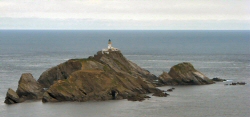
x=109, y=44
x=110, y=48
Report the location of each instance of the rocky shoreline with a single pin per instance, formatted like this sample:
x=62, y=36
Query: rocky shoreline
x=104, y=76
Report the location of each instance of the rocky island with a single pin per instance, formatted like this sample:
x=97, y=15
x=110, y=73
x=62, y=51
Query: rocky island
x=104, y=76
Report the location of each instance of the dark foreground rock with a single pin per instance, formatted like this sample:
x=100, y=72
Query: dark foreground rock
x=185, y=74
x=12, y=97
x=29, y=88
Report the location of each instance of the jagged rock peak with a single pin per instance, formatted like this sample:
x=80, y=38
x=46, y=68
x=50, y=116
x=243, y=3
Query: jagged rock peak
x=11, y=97
x=29, y=88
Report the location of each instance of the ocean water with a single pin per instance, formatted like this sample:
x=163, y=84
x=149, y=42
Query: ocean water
x=224, y=54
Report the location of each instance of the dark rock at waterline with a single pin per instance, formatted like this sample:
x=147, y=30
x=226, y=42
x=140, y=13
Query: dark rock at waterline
x=241, y=83
x=237, y=83
x=12, y=97
x=160, y=94
x=185, y=74
x=29, y=88
x=218, y=79
x=137, y=97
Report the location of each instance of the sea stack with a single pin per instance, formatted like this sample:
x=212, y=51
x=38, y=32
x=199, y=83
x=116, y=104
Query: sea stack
x=184, y=74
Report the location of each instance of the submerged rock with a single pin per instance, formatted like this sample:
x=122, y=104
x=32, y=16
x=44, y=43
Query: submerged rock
x=29, y=88
x=185, y=74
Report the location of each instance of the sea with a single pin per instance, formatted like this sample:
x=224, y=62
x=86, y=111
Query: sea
x=216, y=53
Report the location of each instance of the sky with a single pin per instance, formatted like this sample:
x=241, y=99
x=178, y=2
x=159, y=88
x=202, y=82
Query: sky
x=125, y=14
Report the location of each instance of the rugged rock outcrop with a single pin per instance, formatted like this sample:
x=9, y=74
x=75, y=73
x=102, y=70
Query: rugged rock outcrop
x=185, y=74
x=12, y=97
x=102, y=77
x=166, y=79
x=59, y=72
x=29, y=88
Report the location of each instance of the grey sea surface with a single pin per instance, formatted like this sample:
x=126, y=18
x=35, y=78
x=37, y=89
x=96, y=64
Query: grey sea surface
x=224, y=54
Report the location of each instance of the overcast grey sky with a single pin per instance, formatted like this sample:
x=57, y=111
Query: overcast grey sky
x=125, y=14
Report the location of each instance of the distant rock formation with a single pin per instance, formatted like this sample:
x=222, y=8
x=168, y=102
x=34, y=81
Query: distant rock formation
x=105, y=76
x=184, y=74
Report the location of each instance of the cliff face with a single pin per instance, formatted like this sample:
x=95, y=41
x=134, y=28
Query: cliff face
x=186, y=74
x=102, y=77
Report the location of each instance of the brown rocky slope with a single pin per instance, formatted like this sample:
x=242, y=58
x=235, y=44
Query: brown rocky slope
x=102, y=77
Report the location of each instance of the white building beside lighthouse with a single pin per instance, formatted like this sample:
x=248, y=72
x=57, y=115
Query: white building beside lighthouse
x=110, y=48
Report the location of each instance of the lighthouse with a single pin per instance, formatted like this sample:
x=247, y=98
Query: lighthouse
x=109, y=44
x=110, y=48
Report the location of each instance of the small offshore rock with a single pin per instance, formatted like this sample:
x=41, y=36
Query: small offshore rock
x=185, y=74
x=237, y=83
x=241, y=83
x=218, y=79
x=12, y=97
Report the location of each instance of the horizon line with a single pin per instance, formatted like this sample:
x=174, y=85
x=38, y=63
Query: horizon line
x=138, y=29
